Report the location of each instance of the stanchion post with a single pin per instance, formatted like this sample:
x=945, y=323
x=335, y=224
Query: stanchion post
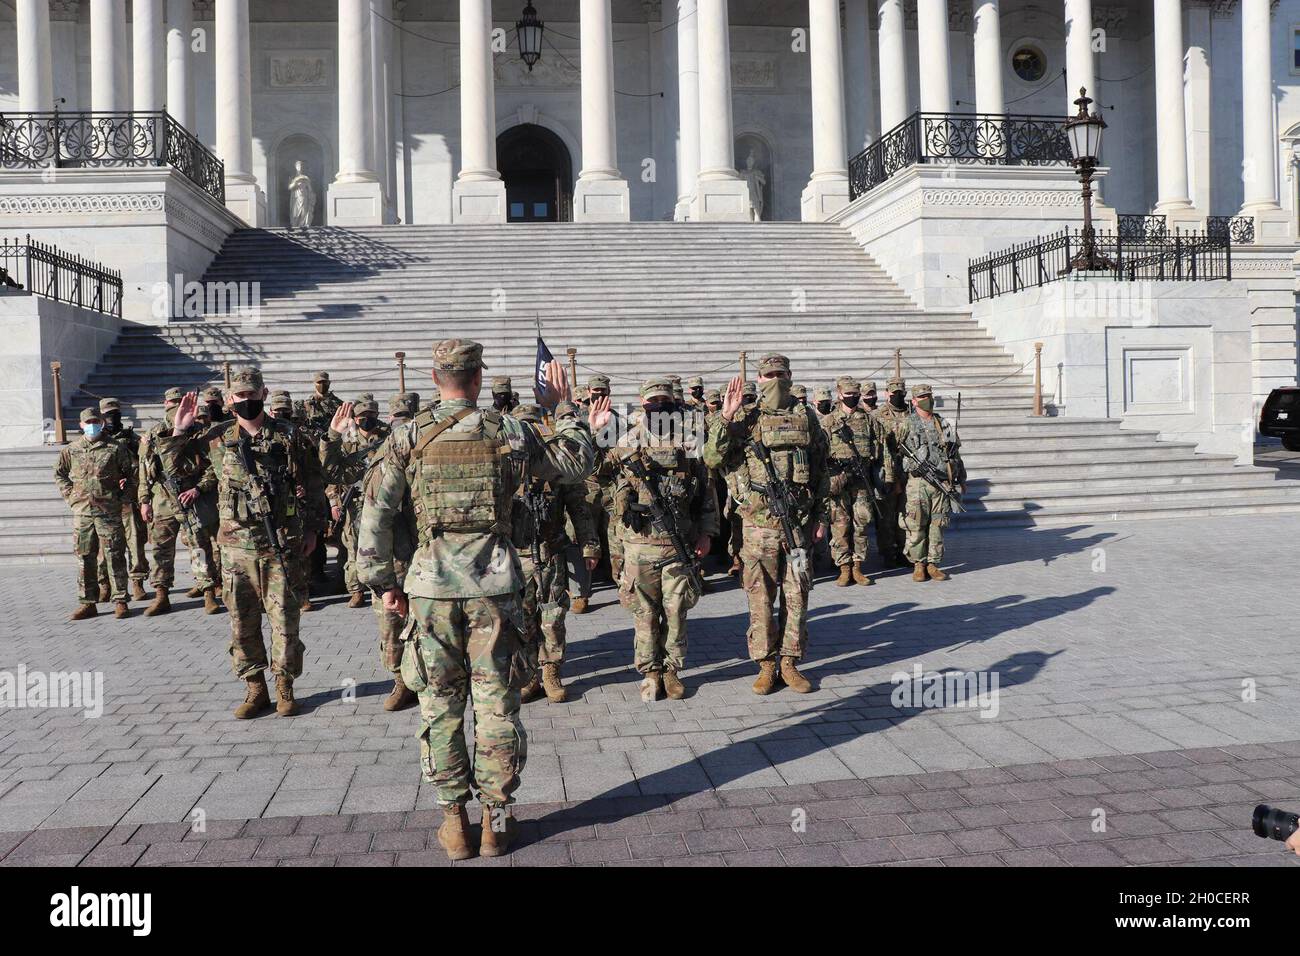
x=898, y=363
x=401, y=370
x=744, y=374
x=60, y=435
x=225, y=367
x=1038, y=379
x=573, y=369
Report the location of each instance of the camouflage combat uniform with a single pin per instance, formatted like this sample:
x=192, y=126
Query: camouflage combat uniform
x=132, y=523
x=344, y=462
x=655, y=586
x=798, y=450
x=850, y=502
x=889, y=537
x=312, y=415
x=89, y=474
x=600, y=488
x=460, y=465
x=928, y=511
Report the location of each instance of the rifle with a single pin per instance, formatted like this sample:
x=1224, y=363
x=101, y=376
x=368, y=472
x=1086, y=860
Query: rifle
x=172, y=486
x=664, y=516
x=781, y=503
x=929, y=473
x=261, y=501
x=863, y=471
x=355, y=488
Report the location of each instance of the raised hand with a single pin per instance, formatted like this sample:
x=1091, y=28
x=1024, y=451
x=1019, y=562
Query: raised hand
x=342, y=419
x=557, y=385
x=185, y=412
x=731, y=402
x=598, y=413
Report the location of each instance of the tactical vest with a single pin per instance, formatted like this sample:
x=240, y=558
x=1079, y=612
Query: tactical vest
x=864, y=439
x=933, y=434
x=276, y=468
x=788, y=436
x=460, y=480
x=671, y=466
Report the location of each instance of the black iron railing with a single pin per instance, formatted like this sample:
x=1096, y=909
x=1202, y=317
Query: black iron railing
x=1180, y=257
x=989, y=139
x=1135, y=227
x=61, y=140
x=45, y=271
x=1237, y=228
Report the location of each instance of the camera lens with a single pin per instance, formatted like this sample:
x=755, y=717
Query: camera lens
x=1272, y=823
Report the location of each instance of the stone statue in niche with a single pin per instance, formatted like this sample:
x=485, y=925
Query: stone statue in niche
x=302, y=198
x=757, y=180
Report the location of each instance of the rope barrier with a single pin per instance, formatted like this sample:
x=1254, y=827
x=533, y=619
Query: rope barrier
x=933, y=378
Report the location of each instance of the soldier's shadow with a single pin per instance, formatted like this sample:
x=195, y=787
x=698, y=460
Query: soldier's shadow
x=334, y=695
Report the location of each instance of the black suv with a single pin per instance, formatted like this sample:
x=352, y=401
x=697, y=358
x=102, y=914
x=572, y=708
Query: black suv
x=1280, y=416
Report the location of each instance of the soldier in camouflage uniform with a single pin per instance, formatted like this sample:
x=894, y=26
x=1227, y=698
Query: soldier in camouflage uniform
x=822, y=403
x=600, y=489
x=95, y=475
x=850, y=427
x=869, y=397
x=344, y=462
x=282, y=408
x=537, y=527
x=312, y=416
x=170, y=517
x=800, y=393
x=892, y=416
x=934, y=440
x=460, y=466
x=137, y=532
x=736, y=521
x=797, y=446
x=695, y=394
x=319, y=407
x=214, y=403
x=260, y=577
x=655, y=586
x=503, y=396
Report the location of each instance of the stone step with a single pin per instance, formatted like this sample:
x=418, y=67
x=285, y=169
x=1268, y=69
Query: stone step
x=1011, y=472
x=1072, y=497
x=1186, y=506
x=1044, y=488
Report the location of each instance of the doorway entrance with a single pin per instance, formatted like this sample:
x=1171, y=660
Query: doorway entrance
x=538, y=174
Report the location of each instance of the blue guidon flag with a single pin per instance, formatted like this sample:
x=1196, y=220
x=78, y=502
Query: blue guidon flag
x=544, y=358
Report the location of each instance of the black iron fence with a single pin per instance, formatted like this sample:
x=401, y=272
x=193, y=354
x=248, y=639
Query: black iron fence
x=45, y=271
x=61, y=140
x=1180, y=257
x=1240, y=229
x=989, y=139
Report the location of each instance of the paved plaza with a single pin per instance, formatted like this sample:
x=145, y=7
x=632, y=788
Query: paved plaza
x=1147, y=674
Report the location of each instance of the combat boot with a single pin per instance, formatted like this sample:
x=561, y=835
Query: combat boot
x=650, y=687
x=137, y=591
x=84, y=611
x=285, y=705
x=935, y=573
x=358, y=599
x=162, y=603
x=846, y=576
x=861, y=576
x=494, y=842
x=194, y=592
x=673, y=686
x=579, y=606
x=792, y=678
x=210, y=605
x=105, y=592
x=532, y=690
x=918, y=571
x=453, y=835
x=121, y=609
x=765, y=683
x=552, y=684
x=257, y=700
x=400, y=697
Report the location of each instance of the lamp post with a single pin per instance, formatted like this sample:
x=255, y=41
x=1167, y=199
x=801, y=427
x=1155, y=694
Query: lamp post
x=529, y=29
x=1084, y=132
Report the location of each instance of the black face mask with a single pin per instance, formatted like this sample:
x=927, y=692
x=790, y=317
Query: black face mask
x=214, y=410
x=749, y=400
x=248, y=409
x=697, y=393
x=870, y=400
x=501, y=402
x=367, y=423
x=824, y=407
x=850, y=400
x=897, y=399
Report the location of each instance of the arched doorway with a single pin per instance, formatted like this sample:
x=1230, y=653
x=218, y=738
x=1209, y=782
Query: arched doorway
x=538, y=174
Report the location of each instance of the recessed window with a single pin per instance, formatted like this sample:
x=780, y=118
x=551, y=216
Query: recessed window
x=1029, y=63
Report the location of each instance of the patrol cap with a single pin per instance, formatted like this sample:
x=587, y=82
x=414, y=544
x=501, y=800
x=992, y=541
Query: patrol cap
x=750, y=388
x=695, y=381
x=173, y=395
x=321, y=377
x=659, y=387
x=248, y=379
x=799, y=391
x=821, y=394
x=773, y=362
x=529, y=413
x=674, y=379
x=365, y=402
x=280, y=400
x=848, y=385
x=896, y=384
x=920, y=390
x=90, y=415
x=404, y=403
x=598, y=382
x=677, y=391
x=457, y=355
x=713, y=395
x=109, y=405
x=212, y=394
x=565, y=410
x=501, y=385
x=868, y=386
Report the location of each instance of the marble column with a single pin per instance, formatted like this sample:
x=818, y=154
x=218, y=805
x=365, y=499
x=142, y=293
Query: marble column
x=478, y=195
x=356, y=196
x=1171, y=116
x=601, y=193
x=1078, y=53
x=180, y=74
x=147, y=55
x=1259, y=145
x=35, y=75
x=234, y=111
x=860, y=123
x=107, y=56
x=933, y=55
x=688, y=106
x=1199, y=91
x=988, y=57
x=893, y=65
x=828, y=187
x=720, y=192
x=381, y=31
